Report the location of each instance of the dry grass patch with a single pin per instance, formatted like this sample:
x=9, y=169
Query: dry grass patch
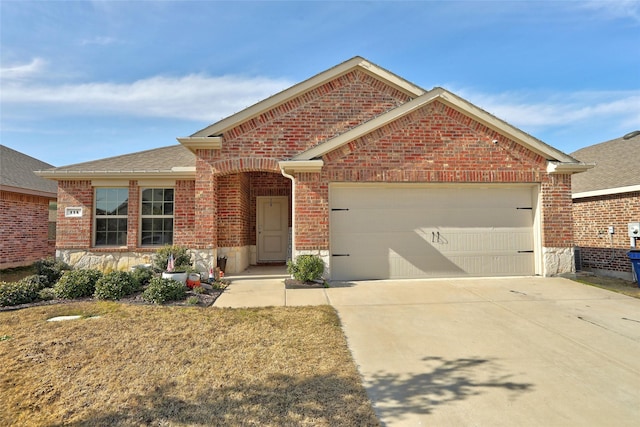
x=611, y=284
x=146, y=365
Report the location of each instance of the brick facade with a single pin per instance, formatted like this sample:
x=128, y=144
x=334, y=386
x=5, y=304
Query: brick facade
x=600, y=251
x=25, y=229
x=435, y=143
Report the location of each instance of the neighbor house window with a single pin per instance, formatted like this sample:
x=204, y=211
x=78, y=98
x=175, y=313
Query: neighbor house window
x=156, y=216
x=111, y=216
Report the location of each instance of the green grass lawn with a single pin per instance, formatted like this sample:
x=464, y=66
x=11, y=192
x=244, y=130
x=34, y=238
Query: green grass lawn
x=147, y=365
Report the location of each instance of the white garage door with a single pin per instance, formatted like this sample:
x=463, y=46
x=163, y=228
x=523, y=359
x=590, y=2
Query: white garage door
x=408, y=231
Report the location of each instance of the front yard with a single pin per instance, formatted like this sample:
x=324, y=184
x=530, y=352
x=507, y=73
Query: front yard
x=123, y=364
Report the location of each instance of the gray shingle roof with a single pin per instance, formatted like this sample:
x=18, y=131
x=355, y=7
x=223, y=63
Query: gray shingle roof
x=16, y=170
x=157, y=160
x=617, y=165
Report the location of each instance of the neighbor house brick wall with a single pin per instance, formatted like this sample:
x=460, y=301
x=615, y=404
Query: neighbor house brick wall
x=592, y=217
x=24, y=229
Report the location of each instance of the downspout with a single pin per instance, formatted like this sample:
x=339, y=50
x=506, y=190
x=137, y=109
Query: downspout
x=293, y=211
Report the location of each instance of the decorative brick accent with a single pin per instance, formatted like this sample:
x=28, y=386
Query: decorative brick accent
x=74, y=233
x=592, y=217
x=25, y=225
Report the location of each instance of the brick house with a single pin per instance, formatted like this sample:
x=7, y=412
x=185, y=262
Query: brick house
x=607, y=196
x=27, y=210
x=379, y=177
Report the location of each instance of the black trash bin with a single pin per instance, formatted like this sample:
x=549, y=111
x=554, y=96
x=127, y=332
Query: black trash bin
x=634, y=257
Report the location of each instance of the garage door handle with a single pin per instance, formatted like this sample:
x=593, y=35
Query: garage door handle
x=339, y=209
x=339, y=254
x=525, y=252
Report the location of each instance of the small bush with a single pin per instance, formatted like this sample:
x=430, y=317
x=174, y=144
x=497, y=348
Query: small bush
x=162, y=290
x=306, y=268
x=77, y=284
x=51, y=269
x=193, y=300
x=141, y=276
x=14, y=293
x=38, y=280
x=181, y=258
x=115, y=285
x=46, y=294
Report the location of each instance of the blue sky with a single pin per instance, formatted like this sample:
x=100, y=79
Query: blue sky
x=84, y=80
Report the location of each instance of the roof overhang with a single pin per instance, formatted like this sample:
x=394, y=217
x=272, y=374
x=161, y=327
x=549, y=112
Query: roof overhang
x=194, y=143
x=297, y=166
x=564, y=168
x=187, y=172
x=28, y=191
x=606, y=192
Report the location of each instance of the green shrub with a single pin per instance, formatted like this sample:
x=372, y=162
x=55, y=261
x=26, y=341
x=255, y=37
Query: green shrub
x=22, y=292
x=162, y=290
x=181, y=258
x=115, y=285
x=141, y=276
x=46, y=294
x=51, y=269
x=77, y=284
x=38, y=280
x=306, y=268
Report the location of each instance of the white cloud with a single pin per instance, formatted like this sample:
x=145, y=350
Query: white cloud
x=618, y=110
x=100, y=41
x=23, y=71
x=614, y=9
x=192, y=97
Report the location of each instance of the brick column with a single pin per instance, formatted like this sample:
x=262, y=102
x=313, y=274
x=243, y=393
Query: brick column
x=206, y=203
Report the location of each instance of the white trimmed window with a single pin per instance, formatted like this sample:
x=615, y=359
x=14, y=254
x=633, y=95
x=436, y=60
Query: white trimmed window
x=110, y=216
x=156, y=216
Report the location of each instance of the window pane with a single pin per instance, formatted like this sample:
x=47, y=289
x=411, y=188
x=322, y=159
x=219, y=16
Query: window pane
x=147, y=195
x=168, y=208
x=158, y=194
x=168, y=195
x=146, y=208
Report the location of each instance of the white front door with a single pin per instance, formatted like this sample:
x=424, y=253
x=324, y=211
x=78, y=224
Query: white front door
x=272, y=228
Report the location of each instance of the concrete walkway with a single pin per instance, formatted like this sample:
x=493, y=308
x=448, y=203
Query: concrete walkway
x=482, y=352
x=263, y=287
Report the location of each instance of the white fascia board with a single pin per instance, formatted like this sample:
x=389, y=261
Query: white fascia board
x=297, y=166
x=201, y=142
x=187, y=173
x=573, y=167
x=606, y=192
x=280, y=98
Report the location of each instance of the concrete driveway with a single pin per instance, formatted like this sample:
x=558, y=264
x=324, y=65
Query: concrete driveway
x=480, y=352
x=494, y=352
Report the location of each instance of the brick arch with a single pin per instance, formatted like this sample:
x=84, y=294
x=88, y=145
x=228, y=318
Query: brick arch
x=245, y=164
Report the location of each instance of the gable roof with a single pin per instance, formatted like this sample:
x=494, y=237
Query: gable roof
x=255, y=110
x=454, y=101
x=174, y=162
x=616, y=169
x=16, y=174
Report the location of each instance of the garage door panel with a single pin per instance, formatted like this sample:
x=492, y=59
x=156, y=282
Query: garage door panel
x=405, y=232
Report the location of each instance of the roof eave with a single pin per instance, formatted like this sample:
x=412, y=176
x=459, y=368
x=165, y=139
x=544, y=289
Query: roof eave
x=187, y=172
x=299, y=166
x=29, y=191
x=194, y=143
x=568, y=168
x=606, y=192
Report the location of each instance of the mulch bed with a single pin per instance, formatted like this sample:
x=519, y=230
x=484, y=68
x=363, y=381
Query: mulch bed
x=297, y=284
x=204, y=300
